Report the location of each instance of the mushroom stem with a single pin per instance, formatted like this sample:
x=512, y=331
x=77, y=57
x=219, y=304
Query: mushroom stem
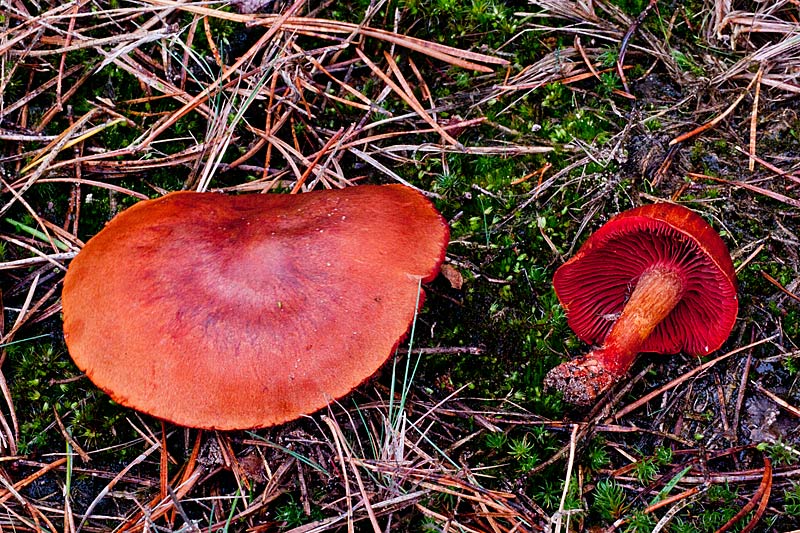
x=656, y=294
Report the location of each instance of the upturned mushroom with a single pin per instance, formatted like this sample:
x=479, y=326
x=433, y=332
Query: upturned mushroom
x=233, y=312
x=655, y=278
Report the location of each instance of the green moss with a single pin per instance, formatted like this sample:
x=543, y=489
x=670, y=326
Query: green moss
x=291, y=514
x=640, y=523
x=609, y=500
x=45, y=380
x=631, y=7
x=791, y=500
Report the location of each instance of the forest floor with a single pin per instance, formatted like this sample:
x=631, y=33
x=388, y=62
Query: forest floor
x=529, y=125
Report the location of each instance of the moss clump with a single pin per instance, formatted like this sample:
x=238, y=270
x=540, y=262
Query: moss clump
x=45, y=381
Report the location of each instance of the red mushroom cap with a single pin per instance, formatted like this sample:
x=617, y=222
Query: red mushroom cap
x=595, y=283
x=233, y=312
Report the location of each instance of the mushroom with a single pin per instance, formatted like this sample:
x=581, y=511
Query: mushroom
x=233, y=312
x=655, y=278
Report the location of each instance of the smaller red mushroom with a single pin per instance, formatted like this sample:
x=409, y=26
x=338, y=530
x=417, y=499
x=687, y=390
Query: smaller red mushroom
x=657, y=279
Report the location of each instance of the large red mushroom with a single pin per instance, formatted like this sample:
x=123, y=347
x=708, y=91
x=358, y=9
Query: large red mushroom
x=655, y=278
x=233, y=312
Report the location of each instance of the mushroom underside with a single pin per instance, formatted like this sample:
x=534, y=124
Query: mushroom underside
x=656, y=278
x=594, y=288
